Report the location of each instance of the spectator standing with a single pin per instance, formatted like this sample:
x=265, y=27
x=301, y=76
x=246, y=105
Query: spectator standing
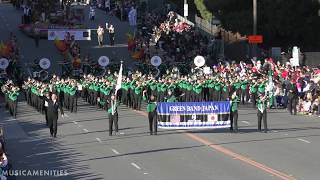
x=36, y=37
x=100, y=33
x=107, y=6
x=111, y=34
x=92, y=13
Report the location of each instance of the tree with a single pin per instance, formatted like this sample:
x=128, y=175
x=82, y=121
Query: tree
x=282, y=23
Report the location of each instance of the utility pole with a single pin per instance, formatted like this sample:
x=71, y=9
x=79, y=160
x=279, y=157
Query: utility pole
x=254, y=17
x=185, y=9
x=254, y=53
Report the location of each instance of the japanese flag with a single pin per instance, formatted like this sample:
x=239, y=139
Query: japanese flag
x=212, y=117
x=175, y=119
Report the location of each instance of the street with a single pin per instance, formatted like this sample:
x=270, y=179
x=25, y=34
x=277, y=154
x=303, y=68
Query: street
x=290, y=150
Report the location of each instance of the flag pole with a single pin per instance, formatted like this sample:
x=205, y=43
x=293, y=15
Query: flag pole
x=119, y=80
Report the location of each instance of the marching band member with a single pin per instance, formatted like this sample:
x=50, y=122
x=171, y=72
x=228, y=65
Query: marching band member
x=52, y=113
x=262, y=111
x=113, y=114
x=152, y=112
x=234, y=101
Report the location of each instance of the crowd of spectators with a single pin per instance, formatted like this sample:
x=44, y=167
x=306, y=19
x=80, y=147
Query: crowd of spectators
x=175, y=40
x=183, y=45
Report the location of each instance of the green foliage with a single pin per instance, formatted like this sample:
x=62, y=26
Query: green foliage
x=282, y=23
x=201, y=7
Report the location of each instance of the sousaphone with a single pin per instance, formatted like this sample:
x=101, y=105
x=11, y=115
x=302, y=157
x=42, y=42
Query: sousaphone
x=156, y=62
x=44, y=64
x=199, y=61
x=103, y=61
x=4, y=63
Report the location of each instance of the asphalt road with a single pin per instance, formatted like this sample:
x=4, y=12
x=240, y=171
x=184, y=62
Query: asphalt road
x=84, y=149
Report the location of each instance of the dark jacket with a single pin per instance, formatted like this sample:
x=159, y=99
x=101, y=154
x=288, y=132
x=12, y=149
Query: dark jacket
x=52, y=111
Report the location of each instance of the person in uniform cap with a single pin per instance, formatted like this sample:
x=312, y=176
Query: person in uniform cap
x=113, y=114
x=254, y=92
x=46, y=104
x=262, y=111
x=234, y=100
x=111, y=34
x=293, y=98
x=152, y=113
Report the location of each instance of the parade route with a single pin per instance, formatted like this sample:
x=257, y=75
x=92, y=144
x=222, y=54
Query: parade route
x=85, y=150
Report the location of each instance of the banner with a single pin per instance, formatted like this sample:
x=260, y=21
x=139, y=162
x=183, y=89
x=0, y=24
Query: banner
x=193, y=115
x=60, y=34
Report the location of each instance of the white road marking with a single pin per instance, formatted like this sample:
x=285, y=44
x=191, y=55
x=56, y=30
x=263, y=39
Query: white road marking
x=286, y=134
x=303, y=140
x=135, y=165
x=30, y=140
x=66, y=115
x=246, y=122
x=115, y=151
x=99, y=140
x=86, y=130
x=145, y=173
x=121, y=133
x=75, y=122
x=275, y=131
x=8, y=120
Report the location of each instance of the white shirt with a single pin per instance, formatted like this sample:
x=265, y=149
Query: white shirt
x=306, y=106
x=100, y=31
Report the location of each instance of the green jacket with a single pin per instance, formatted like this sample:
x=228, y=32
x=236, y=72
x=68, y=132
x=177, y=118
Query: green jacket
x=261, y=105
x=189, y=86
x=72, y=90
x=217, y=86
x=234, y=104
x=244, y=85
x=152, y=85
x=138, y=90
x=171, y=99
x=151, y=106
x=13, y=96
x=237, y=85
x=115, y=106
x=125, y=86
x=254, y=89
x=197, y=89
x=261, y=88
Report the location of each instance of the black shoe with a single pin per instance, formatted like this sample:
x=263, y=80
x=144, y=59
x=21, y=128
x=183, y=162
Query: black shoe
x=151, y=133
